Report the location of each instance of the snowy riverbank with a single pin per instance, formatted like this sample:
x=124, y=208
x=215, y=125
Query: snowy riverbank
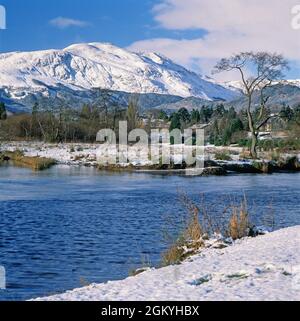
x=262, y=268
x=86, y=154
x=218, y=160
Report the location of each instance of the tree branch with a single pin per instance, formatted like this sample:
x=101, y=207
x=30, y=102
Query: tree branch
x=266, y=120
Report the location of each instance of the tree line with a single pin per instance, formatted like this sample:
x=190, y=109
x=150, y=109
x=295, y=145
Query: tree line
x=225, y=126
x=66, y=124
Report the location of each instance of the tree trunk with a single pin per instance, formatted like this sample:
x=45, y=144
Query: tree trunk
x=253, y=151
x=254, y=134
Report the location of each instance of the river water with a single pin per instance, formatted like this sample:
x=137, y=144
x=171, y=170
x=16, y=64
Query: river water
x=69, y=226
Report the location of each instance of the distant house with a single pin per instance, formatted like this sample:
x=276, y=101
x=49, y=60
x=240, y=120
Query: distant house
x=156, y=123
x=264, y=135
x=271, y=131
x=269, y=135
x=199, y=126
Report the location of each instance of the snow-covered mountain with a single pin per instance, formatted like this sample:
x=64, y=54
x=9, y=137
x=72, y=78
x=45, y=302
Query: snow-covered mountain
x=83, y=67
x=238, y=85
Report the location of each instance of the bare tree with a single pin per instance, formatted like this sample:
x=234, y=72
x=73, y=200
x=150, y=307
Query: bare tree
x=265, y=68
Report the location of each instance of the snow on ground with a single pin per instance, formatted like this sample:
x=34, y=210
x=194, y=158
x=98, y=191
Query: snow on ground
x=262, y=268
x=66, y=154
x=87, y=154
x=84, y=154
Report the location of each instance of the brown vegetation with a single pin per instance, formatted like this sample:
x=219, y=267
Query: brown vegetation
x=35, y=163
x=202, y=223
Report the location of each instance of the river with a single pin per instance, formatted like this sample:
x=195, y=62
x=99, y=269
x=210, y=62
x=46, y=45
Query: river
x=69, y=226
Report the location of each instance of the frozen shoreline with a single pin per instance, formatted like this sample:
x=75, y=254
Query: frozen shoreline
x=262, y=268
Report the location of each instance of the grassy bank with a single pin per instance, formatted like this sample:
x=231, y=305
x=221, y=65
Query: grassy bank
x=34, y=163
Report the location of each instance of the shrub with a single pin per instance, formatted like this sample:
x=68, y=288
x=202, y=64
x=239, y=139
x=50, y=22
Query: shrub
x=244, y=143
x=223, y=155
x=239, y=224
x=282, y=145
x=35, y=163
x=190, y=239
x=145, y=266
x=174, y=255
x=201, y=223
x=245, y=154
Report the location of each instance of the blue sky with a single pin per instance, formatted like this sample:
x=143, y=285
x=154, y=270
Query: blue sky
x=120, y=22
x=195, y=33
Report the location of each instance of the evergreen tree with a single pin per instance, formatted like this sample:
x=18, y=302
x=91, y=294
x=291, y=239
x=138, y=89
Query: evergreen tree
x=3, y=113
x=195, y=116
x=220, y=111
x=236, y=125
x=85, y=112
x=287, y=113
x=231, y=113
x=214, y=134
x=206, y=113
x=35, y=109
x=175, y=122
x=133, y=114
x=163, y=115
x=184, y=115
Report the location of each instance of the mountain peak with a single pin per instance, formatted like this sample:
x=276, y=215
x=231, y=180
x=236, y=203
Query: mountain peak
x=102, y=65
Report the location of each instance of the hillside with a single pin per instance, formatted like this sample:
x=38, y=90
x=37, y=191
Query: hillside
x=71, y=75
x=286, y=94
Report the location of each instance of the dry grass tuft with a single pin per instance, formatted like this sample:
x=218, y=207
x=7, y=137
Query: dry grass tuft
x=190, y=239
x=200, y=223
x=174, y=255
x=245, y=154
x=239, y=223
x=223, y=156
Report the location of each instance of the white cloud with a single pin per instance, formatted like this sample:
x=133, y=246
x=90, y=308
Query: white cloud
x=232, y=26
x=2, y=17
x=63, y=23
